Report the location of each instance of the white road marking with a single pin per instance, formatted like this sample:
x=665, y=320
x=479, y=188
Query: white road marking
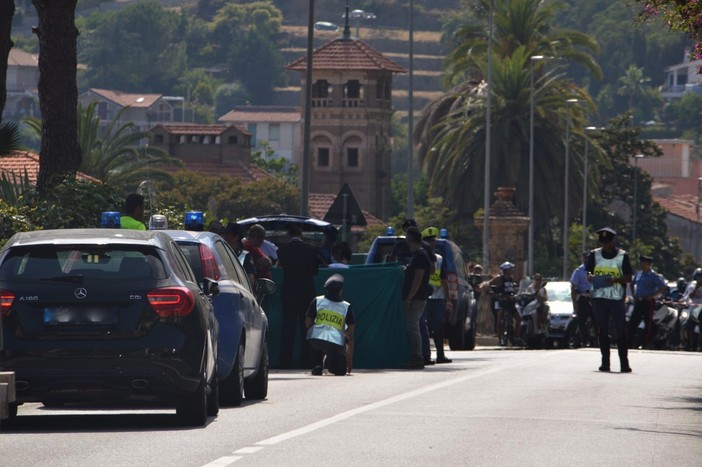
x=376, y=405
x=223, y=461
x=248, y=450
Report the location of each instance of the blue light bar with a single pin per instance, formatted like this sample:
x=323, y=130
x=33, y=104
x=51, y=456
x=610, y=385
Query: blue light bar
x=443, y=233
x=110, y=220
x=390, y=231
x=194, y=220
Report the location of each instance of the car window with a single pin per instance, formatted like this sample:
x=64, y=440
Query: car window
x=458, y=260
x=72, y=262
x=180, y=264
x=231, y=263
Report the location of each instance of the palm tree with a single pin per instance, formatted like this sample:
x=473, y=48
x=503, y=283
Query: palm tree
x=451, y=131
x=114, y=155
x=633, y=84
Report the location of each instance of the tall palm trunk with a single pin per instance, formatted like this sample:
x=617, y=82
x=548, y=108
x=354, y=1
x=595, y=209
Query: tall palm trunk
x=7, y=11
x=60, y=154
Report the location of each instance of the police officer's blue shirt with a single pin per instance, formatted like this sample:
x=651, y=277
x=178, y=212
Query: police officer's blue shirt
x=579, y=279
x=646, y=283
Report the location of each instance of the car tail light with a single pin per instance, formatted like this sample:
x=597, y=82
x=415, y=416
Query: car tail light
x=6, y=299
x=209, y=264
x=171, y=302
x=453, y=285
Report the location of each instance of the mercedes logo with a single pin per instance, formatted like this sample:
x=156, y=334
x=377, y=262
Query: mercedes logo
x=80, y=293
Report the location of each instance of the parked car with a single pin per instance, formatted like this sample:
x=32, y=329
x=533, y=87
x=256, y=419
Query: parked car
x=461, y=326
x=563, y=326
x=107, y=315
x=243, y=326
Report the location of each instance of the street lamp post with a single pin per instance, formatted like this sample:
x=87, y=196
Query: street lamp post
x=410, y=118
x=565, y=192
x=488, y=130
x=585, y=176
x=307, y=127
x=636, y=196
x=530, y=241
x=697, y=225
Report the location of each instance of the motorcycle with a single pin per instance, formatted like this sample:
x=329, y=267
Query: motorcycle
x=664, y=324
x=690, y=327
x=535, y=321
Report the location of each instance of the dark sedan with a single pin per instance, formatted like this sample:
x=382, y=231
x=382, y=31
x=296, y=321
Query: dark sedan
x=107, y=315
x=243, y=325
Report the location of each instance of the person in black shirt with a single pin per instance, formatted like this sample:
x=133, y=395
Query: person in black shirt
x=415, y=290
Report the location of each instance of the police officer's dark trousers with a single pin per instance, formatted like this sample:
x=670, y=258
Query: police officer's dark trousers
x=643, y=309
x=606, y=310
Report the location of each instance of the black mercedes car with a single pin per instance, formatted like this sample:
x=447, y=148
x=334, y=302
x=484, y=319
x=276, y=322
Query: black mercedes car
x=107, y=315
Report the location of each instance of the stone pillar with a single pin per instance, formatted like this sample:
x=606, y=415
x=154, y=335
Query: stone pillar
x=507, y=237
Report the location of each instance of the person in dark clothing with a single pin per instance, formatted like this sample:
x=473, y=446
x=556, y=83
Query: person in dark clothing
x=298, y=259
x=645, y=286
x=609, y=270
x=330, y=325
x=415, y=290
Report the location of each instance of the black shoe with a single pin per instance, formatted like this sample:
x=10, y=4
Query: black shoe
x=428, y=361
x=626, y=369
x=414, y=364
x=604, y=368
x=443, y=360
x=318, y=370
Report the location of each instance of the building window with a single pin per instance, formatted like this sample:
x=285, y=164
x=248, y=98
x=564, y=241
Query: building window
x=320, y=89
x=158, y=139
x=274, y=132
x=233, y=139
x=353, y=89
x=352, y=157
x=252, y=127
x=323, y=157
x=102, y=110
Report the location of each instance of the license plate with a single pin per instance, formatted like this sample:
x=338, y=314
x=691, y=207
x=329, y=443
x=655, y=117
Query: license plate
x=64, y=315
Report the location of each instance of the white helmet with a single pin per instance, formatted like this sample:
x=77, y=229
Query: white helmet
x=506, y=265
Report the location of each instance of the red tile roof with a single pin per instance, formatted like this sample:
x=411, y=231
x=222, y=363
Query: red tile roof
x=196, y=129
x=319, y=203
x=684, y=206
x=127, y=99
x=19, y=162
x=19, y=57
x=261, y=114
x=347, y=54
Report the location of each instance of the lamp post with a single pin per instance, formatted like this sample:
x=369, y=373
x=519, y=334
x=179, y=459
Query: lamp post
x=585, y=175
x=410, y=117
x=697, y=225
x=636, y=196
x=530, y=241
x=307, y=127
x=565, y=192
x=488, y=130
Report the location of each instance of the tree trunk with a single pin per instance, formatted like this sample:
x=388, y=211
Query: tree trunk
x=60, y=154
x=7, y=11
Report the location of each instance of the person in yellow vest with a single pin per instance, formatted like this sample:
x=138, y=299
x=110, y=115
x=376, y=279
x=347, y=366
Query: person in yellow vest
x=439, y=303
x=609, y=270
x=330, y=325
x=133, y=215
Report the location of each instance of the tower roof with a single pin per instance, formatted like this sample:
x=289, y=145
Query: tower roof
x=347, y=53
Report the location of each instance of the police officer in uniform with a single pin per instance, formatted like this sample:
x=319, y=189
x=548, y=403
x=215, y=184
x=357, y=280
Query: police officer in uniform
x=609, y=270
x=330, y=325
x=438, y=304
x=645, y=286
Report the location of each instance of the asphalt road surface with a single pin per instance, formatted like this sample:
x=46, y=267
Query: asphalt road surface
x=490, y=407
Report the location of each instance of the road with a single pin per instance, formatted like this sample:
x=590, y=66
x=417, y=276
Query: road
x=490, y=407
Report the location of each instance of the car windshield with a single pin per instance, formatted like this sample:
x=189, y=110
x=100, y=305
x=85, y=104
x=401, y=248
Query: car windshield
x=76, y=263
x=558, y=291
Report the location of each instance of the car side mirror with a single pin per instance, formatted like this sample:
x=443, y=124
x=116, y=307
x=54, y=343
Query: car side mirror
x=263, y=287
x=210, y=287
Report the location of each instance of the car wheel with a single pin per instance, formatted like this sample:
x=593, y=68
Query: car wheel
x=470, y=338
x=232, y=388
x=213, y=397
x=257, y=388
x=192, y=409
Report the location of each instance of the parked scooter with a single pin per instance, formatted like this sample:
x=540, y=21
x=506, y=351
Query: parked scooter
x=690, y=326
x=535, y=321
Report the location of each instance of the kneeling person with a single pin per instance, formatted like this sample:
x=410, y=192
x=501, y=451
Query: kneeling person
x=330, y=326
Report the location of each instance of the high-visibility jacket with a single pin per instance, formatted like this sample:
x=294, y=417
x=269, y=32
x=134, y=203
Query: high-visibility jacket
x=330, y=323
x=611, y=267
x=435, y=280
x=128, y=222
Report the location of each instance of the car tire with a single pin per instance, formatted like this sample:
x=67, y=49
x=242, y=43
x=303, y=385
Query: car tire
x=192, y=409
x=231, y=390
x=213, y=396
x=257, y=387
x=469, y=341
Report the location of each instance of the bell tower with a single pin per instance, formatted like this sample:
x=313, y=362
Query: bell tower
x=351, y=123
